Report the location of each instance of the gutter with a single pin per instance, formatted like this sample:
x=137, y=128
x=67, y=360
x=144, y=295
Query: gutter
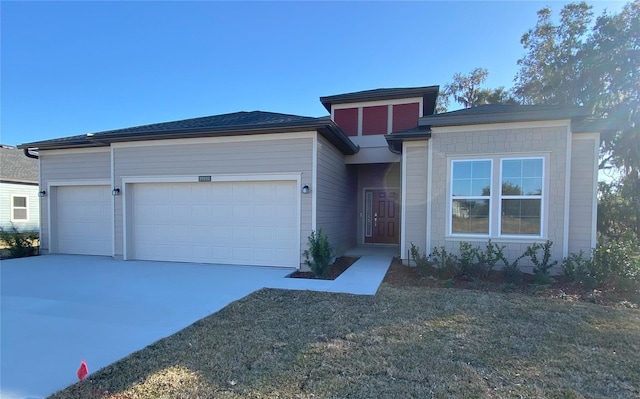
x=29, y=154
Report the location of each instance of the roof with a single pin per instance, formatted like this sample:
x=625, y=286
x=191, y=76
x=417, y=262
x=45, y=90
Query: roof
x=16, y=167
x=499, y=113
x=429, y=92
x=237, y=123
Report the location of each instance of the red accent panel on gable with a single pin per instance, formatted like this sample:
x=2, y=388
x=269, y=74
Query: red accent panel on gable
x=347, y=119
x=374, y=120
x=405, y=116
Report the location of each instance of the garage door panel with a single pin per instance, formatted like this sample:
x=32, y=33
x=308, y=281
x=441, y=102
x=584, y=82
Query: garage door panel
x=83, y=220
x=221, y=222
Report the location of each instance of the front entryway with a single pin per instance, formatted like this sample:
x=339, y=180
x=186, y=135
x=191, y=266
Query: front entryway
x=381, y=216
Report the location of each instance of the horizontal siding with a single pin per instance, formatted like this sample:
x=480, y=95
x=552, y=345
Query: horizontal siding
x=215, y=158
x=415, y=197
x=335, y=198
x=68, y=167
x=583, y=171
x=31, y=192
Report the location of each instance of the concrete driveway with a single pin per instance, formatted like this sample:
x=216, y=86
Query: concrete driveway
x=57, y=310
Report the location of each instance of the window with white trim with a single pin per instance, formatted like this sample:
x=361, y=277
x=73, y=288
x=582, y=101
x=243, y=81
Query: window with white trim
x=471, y=197
x=501, y=197
x=19, y=208
x=521, y=196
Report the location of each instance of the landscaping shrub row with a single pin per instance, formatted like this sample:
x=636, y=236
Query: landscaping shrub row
x=613, y=264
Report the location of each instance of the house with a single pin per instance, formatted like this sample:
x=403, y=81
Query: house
x=19, y=202
x=383, y=169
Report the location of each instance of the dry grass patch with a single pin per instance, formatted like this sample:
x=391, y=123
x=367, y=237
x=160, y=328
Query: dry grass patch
x=404, y=342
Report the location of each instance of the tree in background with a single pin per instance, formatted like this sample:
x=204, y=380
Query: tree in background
x=466, y=91
x=595, y=65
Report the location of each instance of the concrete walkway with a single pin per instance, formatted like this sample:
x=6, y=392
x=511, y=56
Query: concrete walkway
x=57, y=310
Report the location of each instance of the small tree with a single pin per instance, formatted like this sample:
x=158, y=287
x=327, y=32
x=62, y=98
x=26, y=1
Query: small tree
x=320, y=253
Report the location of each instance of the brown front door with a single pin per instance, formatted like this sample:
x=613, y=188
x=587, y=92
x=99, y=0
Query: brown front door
x=381, y=217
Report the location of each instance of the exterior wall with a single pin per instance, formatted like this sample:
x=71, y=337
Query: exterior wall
x=33, y=206
x=583, y=205
x=379, y=175
x=335, y=196
x=215, y=156
x=414, y=215
x=68, y=166
x=546, y=138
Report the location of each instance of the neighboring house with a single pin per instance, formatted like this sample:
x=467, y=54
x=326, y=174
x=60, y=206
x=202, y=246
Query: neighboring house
x=383, y=169
x=19, y=202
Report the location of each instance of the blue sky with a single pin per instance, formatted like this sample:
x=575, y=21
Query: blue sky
x=72, y=68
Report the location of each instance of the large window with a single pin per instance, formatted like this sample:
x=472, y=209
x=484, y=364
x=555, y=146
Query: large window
x=19, y=210
x=497, y=197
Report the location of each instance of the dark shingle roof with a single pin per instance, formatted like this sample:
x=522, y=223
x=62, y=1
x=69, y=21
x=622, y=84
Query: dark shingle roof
x=215, y=121
x=16, y=167
x=499, y=113
x=237, y=123
x=381, y=94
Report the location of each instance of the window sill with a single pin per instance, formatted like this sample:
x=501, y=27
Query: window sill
x=498, y=239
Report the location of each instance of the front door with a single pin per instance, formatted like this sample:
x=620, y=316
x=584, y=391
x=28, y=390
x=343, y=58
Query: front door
x=381, y=217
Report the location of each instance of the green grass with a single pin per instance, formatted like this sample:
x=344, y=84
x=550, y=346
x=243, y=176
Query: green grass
x=404, y=342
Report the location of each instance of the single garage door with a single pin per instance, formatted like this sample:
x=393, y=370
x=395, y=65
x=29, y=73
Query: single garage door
x=251, y=223
x=83, y=220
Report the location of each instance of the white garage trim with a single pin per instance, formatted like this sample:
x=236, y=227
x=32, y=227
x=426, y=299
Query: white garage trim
x=51, y=188
x=127, y=181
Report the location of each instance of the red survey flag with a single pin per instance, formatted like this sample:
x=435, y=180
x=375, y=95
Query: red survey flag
x=82, y=371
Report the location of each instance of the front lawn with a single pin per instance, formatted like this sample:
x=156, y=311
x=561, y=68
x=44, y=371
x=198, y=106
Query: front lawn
x=404, y=342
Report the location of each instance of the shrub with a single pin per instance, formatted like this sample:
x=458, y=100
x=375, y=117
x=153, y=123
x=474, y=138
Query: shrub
x=320, y=253
x=20, y=244
x=490, y=257
x=615, y=263
x=578, y=268
x=467, y=255
x=445, y=262
x=542, y=266
x=420, y=259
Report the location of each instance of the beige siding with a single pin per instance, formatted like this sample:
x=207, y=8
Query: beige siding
x=415, y=219
x=550, y=141
x=335, y=197
x=66, y=166
x=583, y=179
x=215, y=158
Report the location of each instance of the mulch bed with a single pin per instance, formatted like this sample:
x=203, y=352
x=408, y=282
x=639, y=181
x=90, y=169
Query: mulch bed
x=400, y=275
x=336, y=269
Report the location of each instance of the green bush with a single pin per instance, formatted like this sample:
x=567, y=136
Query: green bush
x=541, y=266
x=490, y=257
x=446, y=263
x=320, y=253
x=613, y=263
x=419, y=258
x=20, y=244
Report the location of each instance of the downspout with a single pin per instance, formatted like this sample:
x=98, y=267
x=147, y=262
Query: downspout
x=29, y=155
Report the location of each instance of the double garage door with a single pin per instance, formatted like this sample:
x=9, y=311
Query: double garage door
x=254, y=223
x=251, y=223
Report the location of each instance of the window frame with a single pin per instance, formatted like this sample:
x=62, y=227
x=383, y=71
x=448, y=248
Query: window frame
x=26, y=208
x=495, y=198
x=470, y=197
x=522, y=197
